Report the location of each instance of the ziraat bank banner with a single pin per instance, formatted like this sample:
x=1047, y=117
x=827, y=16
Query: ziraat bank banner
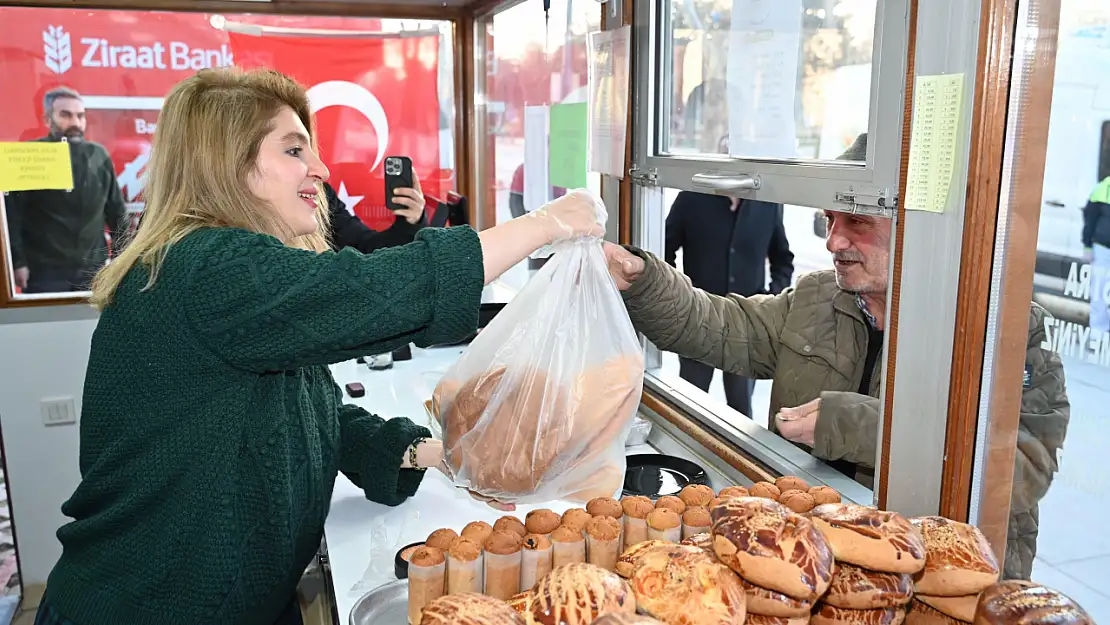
x=372, y=96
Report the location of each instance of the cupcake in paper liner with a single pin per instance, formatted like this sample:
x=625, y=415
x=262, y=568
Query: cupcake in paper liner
x=427, y=570
x=536, y=560
x=502, y=565
x=568, y=546
x=664, y=524
x=464, y=567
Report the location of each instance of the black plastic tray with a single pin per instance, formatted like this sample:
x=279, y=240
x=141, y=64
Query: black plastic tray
x=656, y=475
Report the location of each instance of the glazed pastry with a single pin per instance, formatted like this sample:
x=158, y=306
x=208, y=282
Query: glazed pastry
x=502, y=565
x=765, y=602
x=577, y=594
x=871, y=538
x=426, y=580
x=856, y=588
x=701, y=541
x=627, y=619
x=959, y=608
x=1026, y=603
x=958, y=559
x=769, y=545
x=469, y=609
x=829, y=615
x=626, y=563
x=758, y=619
x=536, y=560
x=683, y=584
x=921, y=614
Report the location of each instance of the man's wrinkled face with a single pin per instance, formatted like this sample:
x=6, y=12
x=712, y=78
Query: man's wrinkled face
x=67, y=119
x=860, y=246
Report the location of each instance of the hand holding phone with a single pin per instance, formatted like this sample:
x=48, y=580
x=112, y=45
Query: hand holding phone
x=403, y=194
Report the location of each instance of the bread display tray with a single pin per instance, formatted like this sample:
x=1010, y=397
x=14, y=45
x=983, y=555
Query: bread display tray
x=385, y=605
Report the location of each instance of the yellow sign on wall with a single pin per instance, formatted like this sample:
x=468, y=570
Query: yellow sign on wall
x=35, y=165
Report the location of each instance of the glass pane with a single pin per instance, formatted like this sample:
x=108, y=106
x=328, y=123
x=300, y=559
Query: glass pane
x=777, y=79
x=532, y=62
x=1059, y=477
x=788, y=372
x=114, y=67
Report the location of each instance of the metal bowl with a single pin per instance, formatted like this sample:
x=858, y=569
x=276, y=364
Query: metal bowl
x=385, y=605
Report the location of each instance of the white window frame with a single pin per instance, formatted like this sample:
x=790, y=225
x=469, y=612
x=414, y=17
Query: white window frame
x=870, y=188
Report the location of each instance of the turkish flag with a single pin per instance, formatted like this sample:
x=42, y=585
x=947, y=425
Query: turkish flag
x=373, y=97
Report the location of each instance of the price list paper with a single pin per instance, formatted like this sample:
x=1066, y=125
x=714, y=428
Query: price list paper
x=937, y=113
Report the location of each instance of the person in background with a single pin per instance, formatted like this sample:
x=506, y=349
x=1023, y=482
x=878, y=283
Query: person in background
x=821, y=341
x=347, y=230
x=57, y=236
x=207, y=470
x=727, y=244
x=1096, y=252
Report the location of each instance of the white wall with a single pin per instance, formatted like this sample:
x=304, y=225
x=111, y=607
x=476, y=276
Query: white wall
x=43, y=353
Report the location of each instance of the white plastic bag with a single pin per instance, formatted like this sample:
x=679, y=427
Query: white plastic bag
x=539, y=405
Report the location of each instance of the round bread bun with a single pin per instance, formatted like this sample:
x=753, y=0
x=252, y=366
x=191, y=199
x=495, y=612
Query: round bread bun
x=758, y=619
x=671, y=502
x=829, y=615
x=959, y=561
x=542, y=521
x=921, y=614
x=766, y=490
x=874, y=539
x=627, y=619
x=856, y=588
x=637, y=507
x=959, y=608
x=770, y=603
x=605, y=506
x=503, y=407
x=576, y=518
x=441, y=538
x=510, y=524
x=580, y=593
x=798, y=501
x=1026, y=603
x=789, y=482
x=703, y=540
x=824, y=494
x=469, y=609
x=626, y=563
x=733, y=491
x=679, y=583
x=696, y=495
x=521, y=603
x=769, y=545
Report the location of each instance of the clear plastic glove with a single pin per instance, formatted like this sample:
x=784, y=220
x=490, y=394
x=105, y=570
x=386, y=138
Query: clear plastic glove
x=577, y=214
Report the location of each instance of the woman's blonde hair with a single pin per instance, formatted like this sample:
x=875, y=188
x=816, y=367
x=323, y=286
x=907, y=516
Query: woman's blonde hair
x=205, y=148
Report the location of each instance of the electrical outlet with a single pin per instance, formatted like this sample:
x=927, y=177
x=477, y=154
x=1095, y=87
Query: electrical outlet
x=58, y=411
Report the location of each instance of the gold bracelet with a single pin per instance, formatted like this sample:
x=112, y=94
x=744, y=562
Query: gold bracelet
x=412, y=454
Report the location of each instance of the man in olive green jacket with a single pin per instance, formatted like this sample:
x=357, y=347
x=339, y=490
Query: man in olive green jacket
x=821, y=344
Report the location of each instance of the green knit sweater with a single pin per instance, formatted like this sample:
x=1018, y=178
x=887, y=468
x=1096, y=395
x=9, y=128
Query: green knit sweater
x=212, y=430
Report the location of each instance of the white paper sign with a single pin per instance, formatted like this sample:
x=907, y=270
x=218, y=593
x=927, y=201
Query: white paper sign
x=608, y=103
x=764, y=45
x=537, y=189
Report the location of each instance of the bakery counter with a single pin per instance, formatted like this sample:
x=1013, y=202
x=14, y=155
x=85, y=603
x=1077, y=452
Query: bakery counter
x=363, y=537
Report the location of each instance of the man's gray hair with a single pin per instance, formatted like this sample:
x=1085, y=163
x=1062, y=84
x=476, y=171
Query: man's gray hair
x=857, y=151
x=55, y=94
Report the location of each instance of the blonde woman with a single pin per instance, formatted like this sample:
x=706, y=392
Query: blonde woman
x=212, y=430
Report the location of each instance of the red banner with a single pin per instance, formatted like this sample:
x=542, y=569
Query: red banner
x=124, y=62
x=373, y=97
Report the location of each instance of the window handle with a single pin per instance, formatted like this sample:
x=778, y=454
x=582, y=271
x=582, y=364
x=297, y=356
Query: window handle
x=724, y=183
